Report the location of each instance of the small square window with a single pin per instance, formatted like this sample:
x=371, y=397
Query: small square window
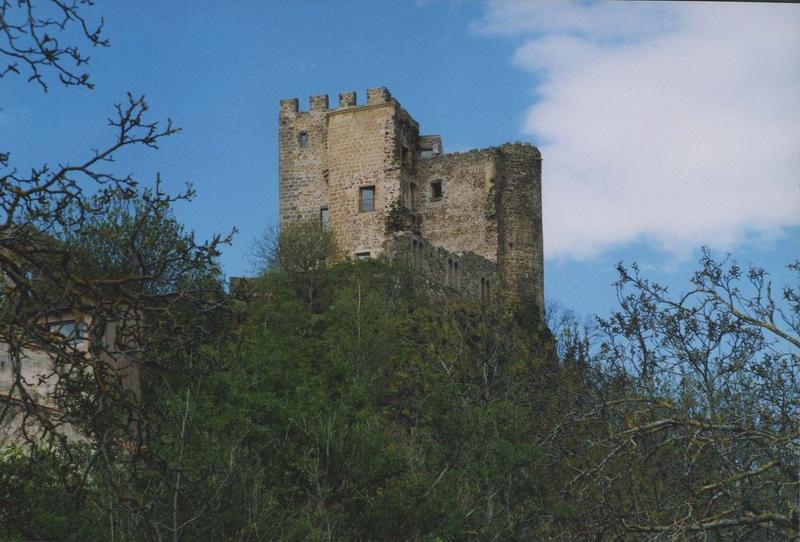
x=363, y=256
x=302, y=139
x=366, y=199
x=436, y=190
x=324, y=217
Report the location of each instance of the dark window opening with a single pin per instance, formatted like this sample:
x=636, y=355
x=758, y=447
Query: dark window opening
x=404, y=155
x=366, y=199
x=455, y=275
x=426, y=152
x=412, y=196
x=302, y=139
x=363, y=256
x=324, y=217
x=450, y=280
x=436, y=190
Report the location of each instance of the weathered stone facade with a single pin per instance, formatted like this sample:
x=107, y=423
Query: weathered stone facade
x=467, y=219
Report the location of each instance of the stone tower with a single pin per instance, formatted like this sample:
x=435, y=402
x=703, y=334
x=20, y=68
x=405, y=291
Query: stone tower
x=469, y=222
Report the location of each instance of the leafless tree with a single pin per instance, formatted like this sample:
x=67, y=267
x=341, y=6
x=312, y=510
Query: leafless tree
x=694, y=429
x=40, y=38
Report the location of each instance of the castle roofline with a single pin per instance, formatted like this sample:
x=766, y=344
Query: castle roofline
x=512, y=146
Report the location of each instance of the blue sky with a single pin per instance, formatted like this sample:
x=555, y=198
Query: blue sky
x=664, y=127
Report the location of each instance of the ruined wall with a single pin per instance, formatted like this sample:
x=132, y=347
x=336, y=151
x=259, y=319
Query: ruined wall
x=442, y=272
x=463, y=219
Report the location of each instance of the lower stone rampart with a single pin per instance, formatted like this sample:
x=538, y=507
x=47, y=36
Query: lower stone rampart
x=444, y=273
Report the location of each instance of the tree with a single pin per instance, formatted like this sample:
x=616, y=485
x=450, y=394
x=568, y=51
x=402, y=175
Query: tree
x=304, y=250
x=80, y=237
x=694, y=423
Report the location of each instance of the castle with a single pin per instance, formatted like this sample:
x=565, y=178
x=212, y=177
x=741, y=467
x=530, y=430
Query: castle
x=468, y=222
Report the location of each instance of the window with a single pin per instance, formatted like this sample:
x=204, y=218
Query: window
x=366, y=199
x=302, y=139
x=324, y=217
x=455, y=275
x=69, y=329
x=412, y=196
x=426, y=152
x=436, y=190
x=483, y=289
x=363, y=256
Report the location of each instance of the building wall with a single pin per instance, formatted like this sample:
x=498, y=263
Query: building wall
x=40, y=376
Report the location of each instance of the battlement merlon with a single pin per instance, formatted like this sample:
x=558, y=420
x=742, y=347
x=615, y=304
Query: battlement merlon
x=290, y=105
x=378, y=95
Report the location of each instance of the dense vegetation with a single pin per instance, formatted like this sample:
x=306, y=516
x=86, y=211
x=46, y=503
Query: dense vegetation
x=376, y=414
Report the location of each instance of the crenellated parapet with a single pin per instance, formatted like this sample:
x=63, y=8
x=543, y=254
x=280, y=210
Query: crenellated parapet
x=347, y=100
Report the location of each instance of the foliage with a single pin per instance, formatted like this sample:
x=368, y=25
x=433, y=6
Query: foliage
x=381, y=414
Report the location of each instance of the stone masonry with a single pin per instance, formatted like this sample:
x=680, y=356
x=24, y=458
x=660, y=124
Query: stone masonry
x=471, y=221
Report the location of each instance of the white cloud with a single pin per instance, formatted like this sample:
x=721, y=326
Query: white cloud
x=676, y=123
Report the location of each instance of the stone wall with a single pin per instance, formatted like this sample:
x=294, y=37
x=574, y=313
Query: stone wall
x=359, y=151
x=519, y=222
